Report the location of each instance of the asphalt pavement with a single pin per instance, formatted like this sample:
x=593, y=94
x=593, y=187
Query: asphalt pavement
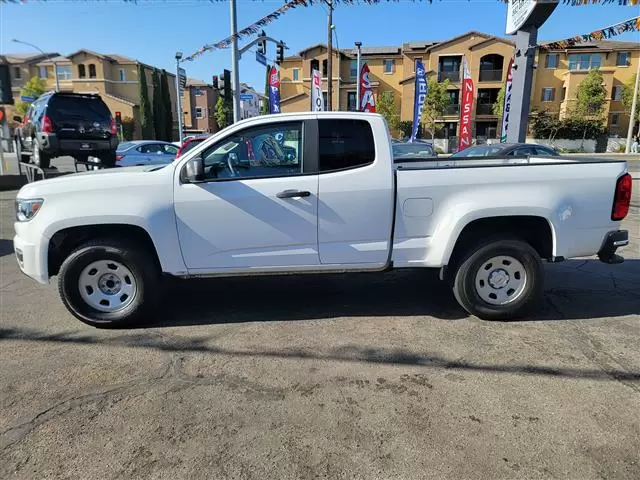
x=373, y=376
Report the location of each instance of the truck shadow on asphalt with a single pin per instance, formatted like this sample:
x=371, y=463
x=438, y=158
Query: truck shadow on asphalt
x=6, y=247
x=576, y=289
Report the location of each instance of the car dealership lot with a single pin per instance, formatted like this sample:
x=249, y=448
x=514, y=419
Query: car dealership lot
x=363, y=376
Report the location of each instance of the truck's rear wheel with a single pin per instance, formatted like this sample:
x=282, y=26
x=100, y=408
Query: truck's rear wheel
x=108, y=283
x=499, y=280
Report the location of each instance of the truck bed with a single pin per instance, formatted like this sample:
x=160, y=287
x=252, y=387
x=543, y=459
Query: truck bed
x=420, y=163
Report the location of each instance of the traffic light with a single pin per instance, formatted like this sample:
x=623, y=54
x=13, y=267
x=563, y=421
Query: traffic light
x=6, y=97
x=216, y=85
x=262, y=44
x=280, y=52
x=118, y=119
x=227, y=85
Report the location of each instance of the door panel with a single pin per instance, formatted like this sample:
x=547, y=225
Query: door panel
x=246, y=215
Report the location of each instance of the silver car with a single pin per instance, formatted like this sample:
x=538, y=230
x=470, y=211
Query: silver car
x=145, y=152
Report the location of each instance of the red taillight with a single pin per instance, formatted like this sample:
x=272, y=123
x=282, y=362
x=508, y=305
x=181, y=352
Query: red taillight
x=114, y=130
x=622, y=198
x=47, y=125
x=119, y=157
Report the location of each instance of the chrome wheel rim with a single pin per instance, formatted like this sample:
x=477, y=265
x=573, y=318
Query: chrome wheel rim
x=107, y=286
x=501, y=280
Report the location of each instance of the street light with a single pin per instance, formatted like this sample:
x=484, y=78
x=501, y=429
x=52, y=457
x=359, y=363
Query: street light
x=178, y=97
x=358, y=45
x=55, y=66
x=335, y=32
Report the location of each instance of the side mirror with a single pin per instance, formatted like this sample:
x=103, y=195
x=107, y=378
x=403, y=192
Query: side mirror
x=195, y=170
x=17, y=118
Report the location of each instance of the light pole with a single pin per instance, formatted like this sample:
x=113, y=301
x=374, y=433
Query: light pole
x=235, y=59
x=178, y=97
x=358, y=45
x=634, y=107
x=335, y=32
x=55, y=66
x=329, y=56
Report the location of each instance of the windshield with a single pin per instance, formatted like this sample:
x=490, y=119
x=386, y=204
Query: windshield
x=479, y=151
x=125, y=146
x=401, y=150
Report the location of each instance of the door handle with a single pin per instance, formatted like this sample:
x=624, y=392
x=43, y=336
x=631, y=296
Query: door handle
x=293, y=194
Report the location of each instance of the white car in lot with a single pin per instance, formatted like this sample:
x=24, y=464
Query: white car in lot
x=316, y=193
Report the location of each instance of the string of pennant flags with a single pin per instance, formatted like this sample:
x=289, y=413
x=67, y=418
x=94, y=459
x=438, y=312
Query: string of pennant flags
x=250, y=30
x=631, y=25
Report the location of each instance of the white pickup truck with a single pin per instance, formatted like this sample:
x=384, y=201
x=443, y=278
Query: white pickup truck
x=316, y=193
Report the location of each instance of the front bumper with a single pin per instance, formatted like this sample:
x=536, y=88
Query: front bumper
x=613, y=241
x=29, y=260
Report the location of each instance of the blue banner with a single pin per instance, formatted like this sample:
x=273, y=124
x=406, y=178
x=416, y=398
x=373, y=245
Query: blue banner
x=419, y=97
x=274, y=91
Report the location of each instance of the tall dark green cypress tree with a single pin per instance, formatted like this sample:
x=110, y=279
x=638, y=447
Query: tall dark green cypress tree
x=166, y=99
x=159, y=115
x=146, y=118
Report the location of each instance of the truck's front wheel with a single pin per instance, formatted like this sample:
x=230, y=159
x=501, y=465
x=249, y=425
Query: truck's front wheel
x=499, y=280
x=108, y=283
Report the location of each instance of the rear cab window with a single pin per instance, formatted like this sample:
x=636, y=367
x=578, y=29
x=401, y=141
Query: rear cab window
x=82, y=107
x=344, y=144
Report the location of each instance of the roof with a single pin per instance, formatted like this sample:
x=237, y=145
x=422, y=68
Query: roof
x=15, y=58
x=412, y=77
x=605, y=45
x=119, y=99
x=374, y=51
x=194, y=82
x=493, y=39
x=57, y=59
x=459, y=37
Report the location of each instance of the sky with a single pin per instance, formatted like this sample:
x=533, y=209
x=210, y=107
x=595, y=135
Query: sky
x=152, y=31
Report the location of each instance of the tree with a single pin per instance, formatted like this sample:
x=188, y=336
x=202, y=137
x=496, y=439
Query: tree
x=128, y=127
x=166, y=100
x=435, y=102
x=35, y=87
x=159, y=114
x=146, y=118
x=627, y=99
x=386, y=106
x=498, y=108
x=591, y=96
x=222, y=112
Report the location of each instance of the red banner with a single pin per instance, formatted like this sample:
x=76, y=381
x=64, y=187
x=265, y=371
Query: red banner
x=367, y=100
x=466, y=107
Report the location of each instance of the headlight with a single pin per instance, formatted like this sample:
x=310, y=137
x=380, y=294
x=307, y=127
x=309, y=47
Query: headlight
x=26, y=209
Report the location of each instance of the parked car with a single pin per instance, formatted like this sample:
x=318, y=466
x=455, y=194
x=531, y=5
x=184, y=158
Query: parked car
x=64, y=123
x=145, y=152
x=192, y=142
x=404, y=151
x=238, y=205
x=507, y=150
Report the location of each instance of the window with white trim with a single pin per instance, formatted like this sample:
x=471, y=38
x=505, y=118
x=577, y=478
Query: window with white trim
x=122, y=75
x=295, y=74
x=548, y=94
x=616, y=94
x=199, y=112
x=622, y=59
x=388, y=65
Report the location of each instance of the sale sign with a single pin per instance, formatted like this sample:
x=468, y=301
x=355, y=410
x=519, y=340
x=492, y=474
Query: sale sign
x=466, y=108
x=317, y=100
x=367, y=100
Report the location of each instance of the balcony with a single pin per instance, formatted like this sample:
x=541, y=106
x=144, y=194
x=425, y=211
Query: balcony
x=453, y=109
x=484, y=109
x=451, y=76
x=490, y=75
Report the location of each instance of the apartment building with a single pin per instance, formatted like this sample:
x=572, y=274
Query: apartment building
x=198, y=106
x=559, y=73
x=251, y=102
x=114, y=77
x=393, y=70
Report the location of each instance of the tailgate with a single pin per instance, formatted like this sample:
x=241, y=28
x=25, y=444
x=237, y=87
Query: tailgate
x=80, y=118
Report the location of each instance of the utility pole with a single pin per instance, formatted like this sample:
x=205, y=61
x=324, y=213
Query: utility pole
x=634, y=109
x=358, y=45
x=329, y=55
x=55, y=65
x=178, y=98
x=235, y=62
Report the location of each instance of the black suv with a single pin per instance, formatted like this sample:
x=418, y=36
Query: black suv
x=64, y=123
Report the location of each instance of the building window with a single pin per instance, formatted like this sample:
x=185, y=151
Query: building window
x=326, y=99
x=43, y=72
x=64, y=72
x=123, y=75
x=615, y=119
x=92, y=70
x=199, y=112
x=82, y=72
x=415, y=62
x=352, y=102
x=548, y=94
x=324, y=68
x=388, y=66
x=622, y=59
x=551, y=60
x=353, y=71
x=584, y=61
x=17, y=73
x=198, y=92
x=616, y=94
x=315, y=65
x=563, y=94
x=296, y=74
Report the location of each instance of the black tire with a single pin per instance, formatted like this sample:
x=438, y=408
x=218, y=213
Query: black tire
x=135, y=258
x=108, y=160
x=470, y=264
x=40, y=158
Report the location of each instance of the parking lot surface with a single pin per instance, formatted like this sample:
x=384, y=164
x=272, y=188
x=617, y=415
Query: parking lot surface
x=363, y=376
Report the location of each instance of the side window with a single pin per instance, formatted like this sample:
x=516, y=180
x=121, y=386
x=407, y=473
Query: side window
x=270, y=151
x=345, y=144
x=170, y=149
x=150, y=148
x=545, y=152
x=524, y=152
